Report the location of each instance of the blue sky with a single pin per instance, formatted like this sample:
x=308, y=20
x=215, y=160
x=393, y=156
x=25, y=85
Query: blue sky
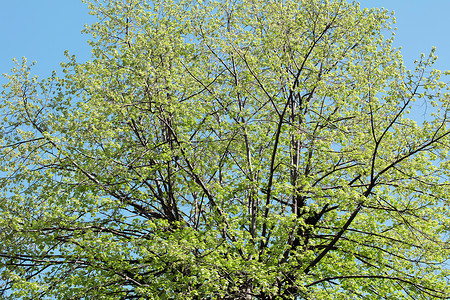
x=42, y=30
x=421, y=24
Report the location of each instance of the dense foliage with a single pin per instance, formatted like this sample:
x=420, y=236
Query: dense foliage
x=255, y=149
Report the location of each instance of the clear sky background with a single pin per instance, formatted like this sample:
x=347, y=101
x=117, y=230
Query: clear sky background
x=42, y=30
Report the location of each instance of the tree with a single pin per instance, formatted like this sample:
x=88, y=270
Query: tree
x=227, y=150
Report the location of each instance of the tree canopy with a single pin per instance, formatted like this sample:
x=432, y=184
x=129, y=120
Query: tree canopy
x=250, y=149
